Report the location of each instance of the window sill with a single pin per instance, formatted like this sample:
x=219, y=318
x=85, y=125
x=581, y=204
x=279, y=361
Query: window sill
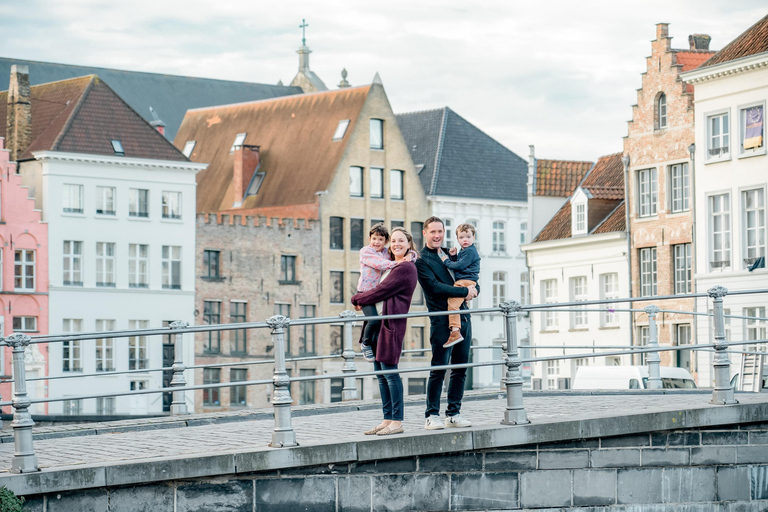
x=137, y=218
x=717, y=160
x=646, y=218
x=106, y=216
x=169, y=220
x=377, y=149
x=609, y=327
x=142, y=286
x=211, y=352
x=73, y=214
x=73, y=283
x=397, y=199
x=106, y=370
x=289, y=282
x=549, y=331
x=79, y=370
x=377, y=198
x=337, y=249
x=578, y=329
x=171, y=287
x=356, y=197
x=750, y=154
x=105, y=285
x=217, y=279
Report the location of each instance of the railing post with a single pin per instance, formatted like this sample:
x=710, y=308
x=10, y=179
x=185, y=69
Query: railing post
x=723, y=392
x=283, y=435
x=515, y=412
x=179, y=403
x=652, y=358
x=349, y=392
x=24, y=458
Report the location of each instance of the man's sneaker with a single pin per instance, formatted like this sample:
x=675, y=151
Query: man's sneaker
x=457, y=421
x=453, y=339
x=434, y=423
x=367, y=352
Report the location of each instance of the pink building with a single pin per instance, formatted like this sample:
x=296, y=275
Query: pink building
x=23, y=277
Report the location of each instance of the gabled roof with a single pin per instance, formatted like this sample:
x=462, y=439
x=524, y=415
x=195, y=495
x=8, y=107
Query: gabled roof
x=455, y=158
x=295, y=136
x=752, y=41
x=558, y=178
x=83, y=115
x=606, y=179
x=692, y=59
x=170, y=95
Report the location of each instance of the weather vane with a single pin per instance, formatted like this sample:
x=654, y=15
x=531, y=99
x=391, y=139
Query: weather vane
x=303, y=26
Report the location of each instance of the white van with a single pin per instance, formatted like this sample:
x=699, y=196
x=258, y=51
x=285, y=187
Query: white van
x=630, y=377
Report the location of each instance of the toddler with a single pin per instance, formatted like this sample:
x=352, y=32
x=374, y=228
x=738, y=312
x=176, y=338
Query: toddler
x=466, y=270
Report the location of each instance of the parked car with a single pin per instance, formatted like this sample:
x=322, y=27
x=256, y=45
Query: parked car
x=630, y=377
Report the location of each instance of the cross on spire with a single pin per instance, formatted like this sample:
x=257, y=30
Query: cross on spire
x=303, y=26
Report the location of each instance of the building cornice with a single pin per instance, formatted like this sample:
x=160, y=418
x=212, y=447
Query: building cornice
x=572, y=241
x=731, y=67
x=118, y=160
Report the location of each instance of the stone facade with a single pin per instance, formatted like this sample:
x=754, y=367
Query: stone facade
x=238, y=278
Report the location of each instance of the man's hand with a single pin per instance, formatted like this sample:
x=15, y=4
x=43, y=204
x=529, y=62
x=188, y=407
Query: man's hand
x=358, y=308
x=472, y=293
x=453, y=251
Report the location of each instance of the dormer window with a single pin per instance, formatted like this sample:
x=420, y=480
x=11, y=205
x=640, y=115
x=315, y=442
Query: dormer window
x=117, y=146
x=255, y=185
x=189, y=147
x=239, y=139
x=341, y=129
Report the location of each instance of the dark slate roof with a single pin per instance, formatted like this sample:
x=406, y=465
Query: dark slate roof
x=170, y=95
x=752, y=41
x=458, y=159
x=83, y=115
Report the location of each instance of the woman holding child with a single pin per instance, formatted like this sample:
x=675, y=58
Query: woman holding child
x=394, y=291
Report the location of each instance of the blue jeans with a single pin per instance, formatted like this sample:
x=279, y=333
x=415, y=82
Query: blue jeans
x=391, y=391
x=456, y=354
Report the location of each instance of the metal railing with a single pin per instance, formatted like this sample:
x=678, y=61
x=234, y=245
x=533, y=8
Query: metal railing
x=283, y=435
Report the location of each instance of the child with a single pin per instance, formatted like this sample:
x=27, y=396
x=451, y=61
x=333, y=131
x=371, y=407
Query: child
x=466, y=270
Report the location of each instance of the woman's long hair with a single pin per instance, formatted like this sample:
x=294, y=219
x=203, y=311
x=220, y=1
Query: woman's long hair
x=408, y=237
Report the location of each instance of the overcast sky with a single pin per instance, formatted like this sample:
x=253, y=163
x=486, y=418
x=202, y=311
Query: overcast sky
x=561, y=75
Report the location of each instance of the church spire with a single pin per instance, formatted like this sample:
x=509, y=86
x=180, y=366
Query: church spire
x=305, y=78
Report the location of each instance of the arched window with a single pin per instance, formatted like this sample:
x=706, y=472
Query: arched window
x=661, y=111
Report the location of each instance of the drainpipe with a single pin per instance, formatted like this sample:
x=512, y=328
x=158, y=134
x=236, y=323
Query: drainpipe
x=625, y=161
x=692, y=152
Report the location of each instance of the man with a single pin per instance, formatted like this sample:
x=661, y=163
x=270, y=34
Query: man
x=437, y=283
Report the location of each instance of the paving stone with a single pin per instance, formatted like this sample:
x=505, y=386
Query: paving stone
x=594, y=487
x=545, y=488
x=483, y=491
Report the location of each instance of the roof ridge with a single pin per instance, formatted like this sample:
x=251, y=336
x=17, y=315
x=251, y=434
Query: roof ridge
x=65, y=127
x=571, y=161
x=439, y=155
x=278, y=98
x=621, y=202
x=63, y=80
x=421, y=111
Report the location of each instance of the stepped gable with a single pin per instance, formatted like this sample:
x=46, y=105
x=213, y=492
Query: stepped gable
x=752, y=41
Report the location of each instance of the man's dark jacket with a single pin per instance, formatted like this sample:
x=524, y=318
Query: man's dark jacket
x=437, y=283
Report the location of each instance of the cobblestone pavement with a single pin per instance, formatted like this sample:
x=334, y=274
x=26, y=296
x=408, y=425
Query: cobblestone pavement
x=323, y=428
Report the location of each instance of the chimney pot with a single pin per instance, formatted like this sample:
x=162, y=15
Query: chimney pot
x=699, y=41
x=19, y=119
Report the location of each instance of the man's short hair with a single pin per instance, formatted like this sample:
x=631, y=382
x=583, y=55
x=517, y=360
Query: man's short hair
x=463, y=228
x=381, y=230
x=433, y=219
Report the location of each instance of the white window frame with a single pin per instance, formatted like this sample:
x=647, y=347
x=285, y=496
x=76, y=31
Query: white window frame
x=648, y=272
x=499, y=287
x=723, y=138
x=755, y=329
x=239, y=140
x=356, y=181
x=105, y=406
x=105, y=347
x=609, y=289
x=753, y=223
x=578, y=288
x=21, y=266
x=448, y=238
x=523, y=232
x=341, y=129
x=679, y=188
x=761, y=150
x=396, y=185
x=135, y=203
x=72, y=200
x=27, y=324
x=171, y=204
x=720, y=255
x=137, y=346
x=376, y=134
x=376, y=182
x=647, y=192
x=499, y=246
x=138, y=266
x=524, y=288
x=661, y=106
x=71, y=351
x=106, y=205
x=72, y=264
x=549, y=296
x=681, y=268
x=579, y=218
x=171, y=257
x=189, y=147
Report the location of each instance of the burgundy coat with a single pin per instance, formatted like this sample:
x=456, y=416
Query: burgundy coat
x=396, y=292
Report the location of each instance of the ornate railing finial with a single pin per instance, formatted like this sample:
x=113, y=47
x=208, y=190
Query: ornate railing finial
x=18, y=339
x=278, y=322
x=717, y=292
x=510, y=306
x=651, y=310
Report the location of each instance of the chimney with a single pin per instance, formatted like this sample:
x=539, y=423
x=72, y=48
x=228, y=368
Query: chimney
x=662, y=31
x=699, y=41
x=246, y=163
x=19, y=128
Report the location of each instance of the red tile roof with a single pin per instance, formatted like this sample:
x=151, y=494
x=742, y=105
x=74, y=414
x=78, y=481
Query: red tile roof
x=616, y=221
x=606, y=179
x=83, y=115
x=559, y=178
x=558, y=227
x=692, y=59
x=752, y=41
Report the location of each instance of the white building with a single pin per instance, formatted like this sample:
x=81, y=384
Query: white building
x=731, y=176
x=580, y=255
x=470, y=178
x=120, y=203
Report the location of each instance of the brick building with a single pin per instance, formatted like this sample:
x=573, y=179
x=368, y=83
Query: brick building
x=659, y=185
x=247, y=270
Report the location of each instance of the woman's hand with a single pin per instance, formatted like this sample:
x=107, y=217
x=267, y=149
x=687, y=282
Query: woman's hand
x=358, y=308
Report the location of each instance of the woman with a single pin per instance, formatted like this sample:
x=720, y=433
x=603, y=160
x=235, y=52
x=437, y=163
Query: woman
x=395, y=291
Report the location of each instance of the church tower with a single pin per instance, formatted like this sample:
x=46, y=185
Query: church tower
x=305, y=78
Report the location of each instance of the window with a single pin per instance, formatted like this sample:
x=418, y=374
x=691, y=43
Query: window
x=396, y=184
x=211, y=396
x=117, y=146
x=105, y=200
x=354, y=280
x=25, y=324
x=356, y=181
x=417, y=386
x=499, y=287
x=356, y=234
x=680, y=188
x=417, y=338
x=287, y=269
x=682, y=266
x=499, y=240
x=648, y=285
x=238, y=394
x=171, y=205
x=172, y=267
x=609, y=288
x=754, y=328
x=105, y=406
x=189, y=147
x=523, y=233
x=683, y=337
x=72, y=407
x=647, y=186
x=138, y=202
x=73, y=198
x=377, y=182
x=341, y=129
x=377, y=134
x=212, y=316
x=418, y=296
x=579, y=294
x=396, y=224
x=211, y=267
x=579, y=218
x=239, y=140
x=255, y=184
x=720, y=231
x=337, y=287
x=753, y=204
x=337, y=342
x=549, y=294
x=306, y=387
x=524, y=291
x=661, y=112
x=553, y=370
x=239, y=337
x=24, y=270
x=417, y=229
x=337, y=233
x=73, y=263
x=307, y=336
x=448, y=238
x=138, y=266
x=643, y=335
x=376, y=221
x=70, y=350
x=718, y=137
x=285, y=310
x=105, y=264
x=138, y=358
x=105, y=347
x=752, y=122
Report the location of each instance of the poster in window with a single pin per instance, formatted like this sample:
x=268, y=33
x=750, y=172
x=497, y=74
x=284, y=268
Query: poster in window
x=753, y=133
